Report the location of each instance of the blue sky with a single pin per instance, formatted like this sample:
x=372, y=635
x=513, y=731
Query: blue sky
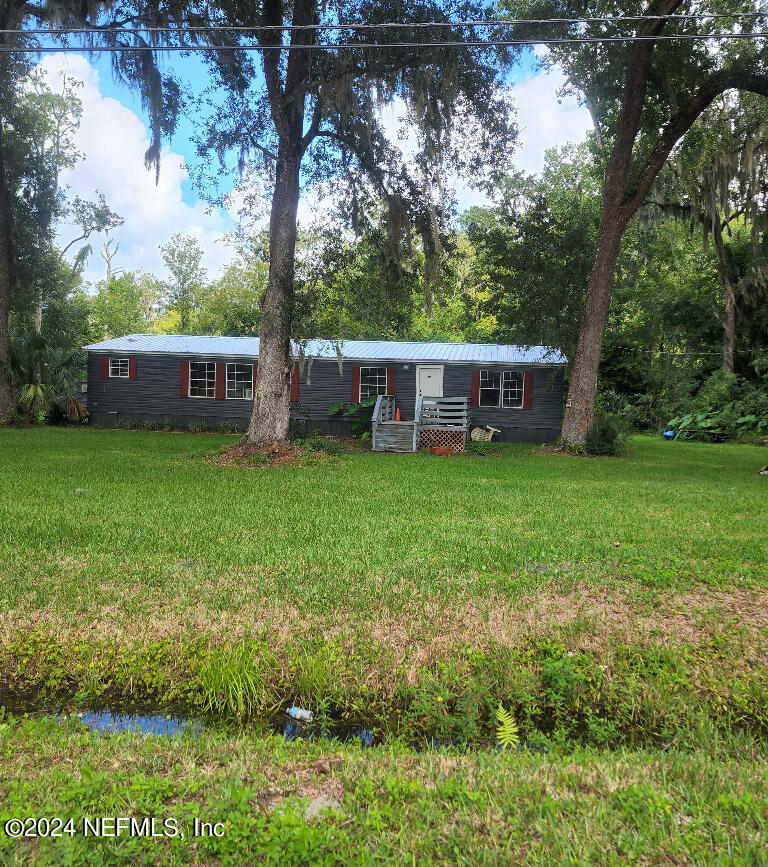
x=113, y=137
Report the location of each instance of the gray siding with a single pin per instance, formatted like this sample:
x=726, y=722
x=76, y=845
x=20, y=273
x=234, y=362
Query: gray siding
x=155, y=395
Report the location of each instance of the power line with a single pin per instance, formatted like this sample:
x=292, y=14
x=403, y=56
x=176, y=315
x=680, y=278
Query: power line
x=288, y=28
x=340, y=46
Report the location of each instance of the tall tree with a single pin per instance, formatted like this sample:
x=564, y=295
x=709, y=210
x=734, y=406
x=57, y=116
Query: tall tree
x=316, y=118
x=183, y=258
x=535, y=249
x=125, y=304
x=42, y=140
x=644, y=96
x=718, y=179
x=91, y=218
x=103, y=19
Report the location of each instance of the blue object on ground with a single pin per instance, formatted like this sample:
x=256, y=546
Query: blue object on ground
x=300, y=714
x=668, y=434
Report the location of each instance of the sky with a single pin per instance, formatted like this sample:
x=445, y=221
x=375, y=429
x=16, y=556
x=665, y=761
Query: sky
x=113, y=137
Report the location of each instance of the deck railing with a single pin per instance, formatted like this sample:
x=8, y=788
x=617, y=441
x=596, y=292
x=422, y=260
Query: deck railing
x=444, y=413
x=417, y=421
x=450, y=413
x=384, y=410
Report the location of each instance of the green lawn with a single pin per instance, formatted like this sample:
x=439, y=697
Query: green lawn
x=610, y=604
x=388, y=806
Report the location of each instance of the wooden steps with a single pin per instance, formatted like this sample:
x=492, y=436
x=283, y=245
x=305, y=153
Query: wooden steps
x=446, y=414
x=393, y=436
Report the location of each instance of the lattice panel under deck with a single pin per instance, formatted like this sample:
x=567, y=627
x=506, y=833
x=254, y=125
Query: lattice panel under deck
x=433, y=436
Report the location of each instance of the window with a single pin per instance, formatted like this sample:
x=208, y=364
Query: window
x=490, y=387
x=373, y=381
x=202, y=379
x=119, y=367
x=239, y=381
x=501, y=389
x=512, y=389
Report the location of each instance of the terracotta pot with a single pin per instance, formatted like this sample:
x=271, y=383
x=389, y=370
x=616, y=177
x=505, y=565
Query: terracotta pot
x=440, y=450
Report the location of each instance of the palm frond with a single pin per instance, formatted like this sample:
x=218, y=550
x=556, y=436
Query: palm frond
x=507, y=733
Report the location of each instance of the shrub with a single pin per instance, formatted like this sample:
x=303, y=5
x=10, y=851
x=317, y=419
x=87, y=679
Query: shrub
x=361, y=414
x=200, y=426
x=228, y=427
x=725, y=407
x=15, y=419
x=607, y=436
x=57, y=414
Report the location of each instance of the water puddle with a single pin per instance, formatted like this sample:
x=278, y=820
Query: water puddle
x=105, y=721
x=151, y=721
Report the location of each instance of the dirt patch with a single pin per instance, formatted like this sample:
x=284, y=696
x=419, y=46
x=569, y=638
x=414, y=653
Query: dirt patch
x=587, y=618
x=270, y=453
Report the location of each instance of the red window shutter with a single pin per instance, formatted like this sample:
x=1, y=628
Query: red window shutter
x=391, y=380
x=105, y=367
x=355, y=397
x=295, y=383
x=475, y=393
x=221, y=380
x=132, y=368
x=185, y=379
x=528, y=389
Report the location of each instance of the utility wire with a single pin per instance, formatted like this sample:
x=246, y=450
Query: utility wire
x=341, y=46
x=287, y=28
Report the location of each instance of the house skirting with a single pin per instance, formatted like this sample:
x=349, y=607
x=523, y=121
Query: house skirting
x=435, y=436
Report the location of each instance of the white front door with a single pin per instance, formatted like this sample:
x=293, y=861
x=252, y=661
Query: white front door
x=429, y=380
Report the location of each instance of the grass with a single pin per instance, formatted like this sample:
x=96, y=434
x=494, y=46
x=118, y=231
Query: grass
x=387, y=805
x=611, y=605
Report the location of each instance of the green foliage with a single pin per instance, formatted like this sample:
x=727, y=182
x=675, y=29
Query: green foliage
x=534, y=251
x=44, y=367
x=231, y=304
x=183, y=256
x=507, y=733
x=127, y=304
x=725, y=407
x=361, y=414
x=198, y=426
x=608, y=436
x=228, y=427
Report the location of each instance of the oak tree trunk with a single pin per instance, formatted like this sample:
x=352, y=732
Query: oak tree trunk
x=11, y=18
x=582, y=393
x=619, y=204
x=7, y=284
x=271, y=409
x=271, y=403
x=729, y=327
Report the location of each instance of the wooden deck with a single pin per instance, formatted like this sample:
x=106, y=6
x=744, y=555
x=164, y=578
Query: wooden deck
x=437, y=413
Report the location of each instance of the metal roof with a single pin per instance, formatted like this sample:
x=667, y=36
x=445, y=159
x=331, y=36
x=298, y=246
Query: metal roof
x=359, y=350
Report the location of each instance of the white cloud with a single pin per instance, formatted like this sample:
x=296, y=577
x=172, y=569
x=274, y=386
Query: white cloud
x=114, y=140
x=544, y=121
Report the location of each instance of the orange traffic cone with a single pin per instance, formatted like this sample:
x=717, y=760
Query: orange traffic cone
x=397, y=414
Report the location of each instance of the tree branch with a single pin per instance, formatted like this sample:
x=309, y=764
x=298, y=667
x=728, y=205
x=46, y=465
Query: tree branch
x=633, y=100
x=317, y=116
x=678, y=126
x=83, y=237
x=365, y=161
x=273, y=16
